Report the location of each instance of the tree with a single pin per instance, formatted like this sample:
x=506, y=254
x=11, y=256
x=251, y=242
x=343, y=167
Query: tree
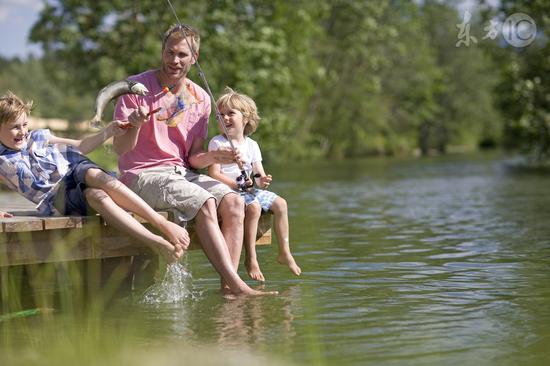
x=29, y=80
x=524, y=90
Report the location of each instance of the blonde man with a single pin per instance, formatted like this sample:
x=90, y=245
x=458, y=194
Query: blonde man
x=159, y=155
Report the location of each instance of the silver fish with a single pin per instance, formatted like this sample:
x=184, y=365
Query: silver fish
x=112, y=91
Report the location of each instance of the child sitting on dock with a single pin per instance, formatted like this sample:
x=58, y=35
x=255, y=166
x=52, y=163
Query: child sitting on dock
x=241, y=119
x=53, y=173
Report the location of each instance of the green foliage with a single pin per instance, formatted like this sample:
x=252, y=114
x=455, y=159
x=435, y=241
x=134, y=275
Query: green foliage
x=335, y=79
x=466, y=114
x=30, y=81
x=524, y=89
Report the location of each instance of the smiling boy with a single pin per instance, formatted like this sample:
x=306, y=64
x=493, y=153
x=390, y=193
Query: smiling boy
x=53, y=173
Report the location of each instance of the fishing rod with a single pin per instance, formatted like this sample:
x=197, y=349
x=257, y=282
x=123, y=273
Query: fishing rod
x=241, y=180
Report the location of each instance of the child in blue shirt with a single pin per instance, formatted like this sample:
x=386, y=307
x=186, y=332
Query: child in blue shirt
x=53, y=173
x=241, y=119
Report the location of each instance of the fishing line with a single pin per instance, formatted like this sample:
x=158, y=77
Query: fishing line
x=241, y=180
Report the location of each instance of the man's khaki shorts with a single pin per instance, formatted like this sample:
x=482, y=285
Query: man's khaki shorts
x=179, y=190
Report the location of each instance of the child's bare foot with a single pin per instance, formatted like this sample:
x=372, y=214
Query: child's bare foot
x=175, y=234
x=171, y=253
x=253, y=269
x=288, y=259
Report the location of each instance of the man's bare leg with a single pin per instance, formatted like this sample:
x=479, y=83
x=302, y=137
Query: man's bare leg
x=231, y=212
x=215, y=248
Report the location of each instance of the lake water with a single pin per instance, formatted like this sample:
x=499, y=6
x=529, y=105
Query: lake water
x=437, y=261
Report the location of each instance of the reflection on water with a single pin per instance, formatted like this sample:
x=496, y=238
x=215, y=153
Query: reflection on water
x=405, y=261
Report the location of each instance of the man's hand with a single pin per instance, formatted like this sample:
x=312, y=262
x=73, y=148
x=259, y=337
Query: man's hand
x=227, y=156
x=138, y=117
x=5, y=214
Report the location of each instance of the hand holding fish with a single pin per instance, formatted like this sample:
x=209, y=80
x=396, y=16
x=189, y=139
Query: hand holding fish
x=138, y=117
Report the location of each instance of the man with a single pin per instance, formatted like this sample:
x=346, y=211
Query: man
x=166, y=141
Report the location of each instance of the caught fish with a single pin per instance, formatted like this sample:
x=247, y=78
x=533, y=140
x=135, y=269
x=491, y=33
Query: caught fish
x=112, y=91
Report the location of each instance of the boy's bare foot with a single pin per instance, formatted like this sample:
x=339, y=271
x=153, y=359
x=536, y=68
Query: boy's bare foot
x=288, y=259
x=253, y=269
x=171, y=253
x=175, y=234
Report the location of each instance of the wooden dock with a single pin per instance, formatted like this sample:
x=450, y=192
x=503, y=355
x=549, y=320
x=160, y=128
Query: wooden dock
x=29, y=239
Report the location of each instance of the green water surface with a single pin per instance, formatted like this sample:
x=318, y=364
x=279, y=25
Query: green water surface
x=436, y=261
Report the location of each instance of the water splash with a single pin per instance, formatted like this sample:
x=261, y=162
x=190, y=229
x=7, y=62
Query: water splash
x=176, y=286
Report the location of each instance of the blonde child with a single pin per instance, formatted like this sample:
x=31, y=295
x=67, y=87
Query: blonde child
x=52, y=172
x=241, y=119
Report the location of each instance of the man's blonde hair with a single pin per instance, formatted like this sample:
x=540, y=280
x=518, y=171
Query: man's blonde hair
x=11, y=107
x=230, y=99
x=177, y=32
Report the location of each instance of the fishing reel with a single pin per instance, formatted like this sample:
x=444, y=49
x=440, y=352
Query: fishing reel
x=245, y=182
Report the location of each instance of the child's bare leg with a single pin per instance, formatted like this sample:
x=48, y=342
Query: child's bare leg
x=213, y=244
x=251, y=217
x=127, y=199
x=122, y=220
x=280, y=221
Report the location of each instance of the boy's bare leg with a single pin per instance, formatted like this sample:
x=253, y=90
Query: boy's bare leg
x=122, y=220
x=280, y=221
x=251, y=217
x=127, y=199
x=231, y=212
x=213, y=244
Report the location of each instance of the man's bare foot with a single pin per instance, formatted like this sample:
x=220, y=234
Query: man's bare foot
x=253, y=269
x=288, y=259
x=175, y=234
x=247, y=291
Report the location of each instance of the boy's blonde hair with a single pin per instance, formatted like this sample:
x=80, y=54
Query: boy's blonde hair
x=11, y=107
x=178, y=31
x=230, y=99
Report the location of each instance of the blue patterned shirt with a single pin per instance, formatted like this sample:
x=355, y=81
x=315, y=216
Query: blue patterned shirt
x=35, y=170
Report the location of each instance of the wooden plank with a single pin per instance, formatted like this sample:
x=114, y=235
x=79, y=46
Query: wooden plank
x=119, y=246
x=21, y=224
x=31, y=239
x=44, y=247
x=67, y=222
x=23, y=212
x=264, y=239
